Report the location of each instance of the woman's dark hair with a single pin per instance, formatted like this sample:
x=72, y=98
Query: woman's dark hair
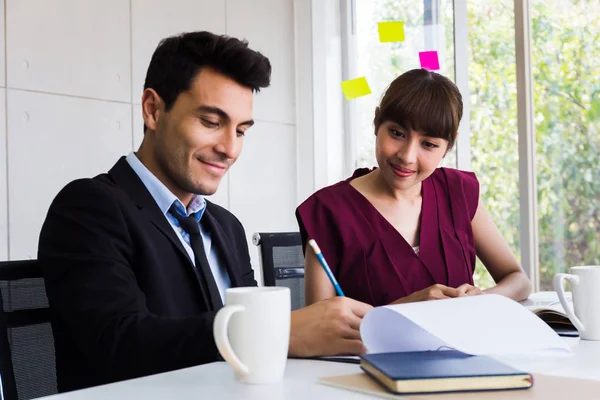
x=178, y=59
x=423, y=101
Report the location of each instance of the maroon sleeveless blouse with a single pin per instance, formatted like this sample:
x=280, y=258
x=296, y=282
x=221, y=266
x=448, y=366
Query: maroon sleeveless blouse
x=372, y=262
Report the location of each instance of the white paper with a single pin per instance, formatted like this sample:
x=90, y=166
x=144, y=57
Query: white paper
x=488, y=324
x=546, y=301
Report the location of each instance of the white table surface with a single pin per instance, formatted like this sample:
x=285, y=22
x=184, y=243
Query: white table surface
x=216, y=380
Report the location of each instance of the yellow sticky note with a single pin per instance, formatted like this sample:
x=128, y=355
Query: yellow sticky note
x=392, y=31
x=354, y=88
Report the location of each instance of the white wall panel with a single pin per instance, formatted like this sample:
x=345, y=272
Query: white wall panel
x=221, y=197
x=153, y=20
x=269, y=27
x=263, y=184
x=3, y=181
x=51, y=141
x=75, y=47
x=2, y=46
x=138, y=126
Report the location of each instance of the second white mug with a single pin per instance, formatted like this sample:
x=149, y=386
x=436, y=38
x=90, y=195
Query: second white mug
x=585, y=313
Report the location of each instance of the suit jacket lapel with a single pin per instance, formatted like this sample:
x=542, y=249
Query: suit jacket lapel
x=127, y=179
x=220, y=239
x=124, y=177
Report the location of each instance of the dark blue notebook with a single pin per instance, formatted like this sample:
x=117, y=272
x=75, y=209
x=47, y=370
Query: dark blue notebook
x=442, y=371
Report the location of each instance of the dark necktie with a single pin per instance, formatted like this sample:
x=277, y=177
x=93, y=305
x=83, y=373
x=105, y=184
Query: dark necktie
x=192, y=227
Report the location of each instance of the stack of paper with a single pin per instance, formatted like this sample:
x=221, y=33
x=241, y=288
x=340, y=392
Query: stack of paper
x=482, y=325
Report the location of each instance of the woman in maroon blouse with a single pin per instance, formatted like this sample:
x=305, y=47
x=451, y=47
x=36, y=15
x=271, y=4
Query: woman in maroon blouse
x=407, y=230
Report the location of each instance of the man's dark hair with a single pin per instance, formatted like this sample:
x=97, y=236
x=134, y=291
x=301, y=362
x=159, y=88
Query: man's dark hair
x=178, y=59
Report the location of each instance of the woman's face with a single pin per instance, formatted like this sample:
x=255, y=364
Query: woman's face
x=406, y=157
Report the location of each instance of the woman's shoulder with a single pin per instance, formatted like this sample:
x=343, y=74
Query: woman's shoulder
x=454, y=173
x=462, y=185
x=325, y=215
x=451, y=176
x=327, y=194
x=331, y=195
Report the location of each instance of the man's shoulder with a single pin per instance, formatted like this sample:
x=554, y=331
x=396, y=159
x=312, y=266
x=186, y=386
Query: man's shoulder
x=85, y=190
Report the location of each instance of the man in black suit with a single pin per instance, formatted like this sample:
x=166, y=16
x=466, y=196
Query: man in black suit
x=136, y=261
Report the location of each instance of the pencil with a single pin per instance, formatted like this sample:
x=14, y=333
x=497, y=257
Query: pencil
x=323, y=263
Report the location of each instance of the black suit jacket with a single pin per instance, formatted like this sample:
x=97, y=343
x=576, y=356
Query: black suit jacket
x=124, y=297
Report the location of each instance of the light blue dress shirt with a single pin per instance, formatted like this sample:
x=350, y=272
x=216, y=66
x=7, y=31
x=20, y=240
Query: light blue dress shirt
x=164, y=198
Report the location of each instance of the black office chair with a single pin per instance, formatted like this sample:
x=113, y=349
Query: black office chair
x=26, y=338
x=282, y=262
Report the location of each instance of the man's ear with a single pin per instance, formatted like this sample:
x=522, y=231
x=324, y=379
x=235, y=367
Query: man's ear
x=152, y=107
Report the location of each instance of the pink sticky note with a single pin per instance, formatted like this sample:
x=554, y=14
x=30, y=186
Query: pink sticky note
x=429, y=60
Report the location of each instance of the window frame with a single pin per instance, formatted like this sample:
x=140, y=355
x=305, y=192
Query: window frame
x=526, y=134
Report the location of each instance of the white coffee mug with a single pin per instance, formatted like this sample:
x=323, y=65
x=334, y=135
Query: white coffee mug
x=585, y=282
x=252, y=332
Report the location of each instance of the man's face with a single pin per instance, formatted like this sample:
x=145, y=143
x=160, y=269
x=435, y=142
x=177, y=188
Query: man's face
x=201, y=136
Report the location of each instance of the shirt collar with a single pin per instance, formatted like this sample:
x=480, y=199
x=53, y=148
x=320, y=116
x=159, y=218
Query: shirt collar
x=163, y=197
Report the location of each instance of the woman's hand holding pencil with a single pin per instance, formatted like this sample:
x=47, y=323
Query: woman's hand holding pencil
x=327, y=327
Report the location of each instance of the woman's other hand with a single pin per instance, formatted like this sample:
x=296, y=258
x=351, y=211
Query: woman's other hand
x=433, y=292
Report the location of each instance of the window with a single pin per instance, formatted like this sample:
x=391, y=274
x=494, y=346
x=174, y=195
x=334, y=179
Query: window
x=566, y=67
x=494, y=134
